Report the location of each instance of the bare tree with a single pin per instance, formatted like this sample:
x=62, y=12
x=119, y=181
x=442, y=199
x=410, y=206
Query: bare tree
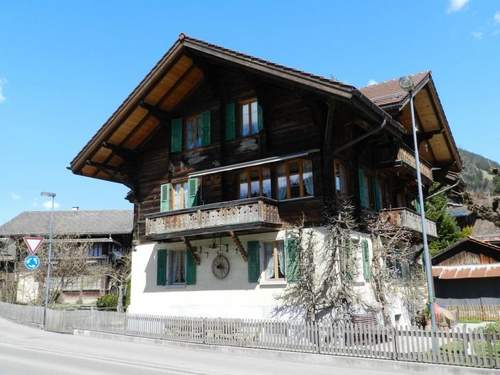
x=394, y=269
x=326, y=270
x=119, y=273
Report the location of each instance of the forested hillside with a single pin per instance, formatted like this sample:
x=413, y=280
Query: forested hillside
x=480, y=174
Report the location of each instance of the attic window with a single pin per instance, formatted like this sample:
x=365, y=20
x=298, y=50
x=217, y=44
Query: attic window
x=249, y=117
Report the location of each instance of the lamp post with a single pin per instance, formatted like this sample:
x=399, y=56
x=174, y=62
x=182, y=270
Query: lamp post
x=406, y=83
x=49, y=261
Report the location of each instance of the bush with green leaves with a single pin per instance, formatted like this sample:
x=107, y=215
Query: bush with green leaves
x=107, y=301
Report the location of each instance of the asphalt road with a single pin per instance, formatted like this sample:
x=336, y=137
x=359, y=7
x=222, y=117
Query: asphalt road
x=30, y=351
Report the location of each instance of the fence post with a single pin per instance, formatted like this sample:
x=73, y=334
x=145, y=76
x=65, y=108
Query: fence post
x=395, y=341
x=203, y=330
x=316, y=326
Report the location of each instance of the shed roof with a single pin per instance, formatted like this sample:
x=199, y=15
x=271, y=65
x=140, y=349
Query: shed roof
x=81, y=222
x=470, y=271
x=469, y=244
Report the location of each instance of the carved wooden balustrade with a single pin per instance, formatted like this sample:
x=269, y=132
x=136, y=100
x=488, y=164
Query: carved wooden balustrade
x=408, y=158
x=406, y=218
x=228, y=215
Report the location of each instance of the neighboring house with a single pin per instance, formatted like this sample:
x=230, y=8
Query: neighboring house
x=104, y=235
x=221, y=150
x=467, y=273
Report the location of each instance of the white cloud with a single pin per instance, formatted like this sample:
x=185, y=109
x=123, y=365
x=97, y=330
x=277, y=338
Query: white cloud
x=477, y=35
x=456, y=5
x=15, y=196
x=48, y=205
x=371, y=82
x=496, y=17
x=2, y=84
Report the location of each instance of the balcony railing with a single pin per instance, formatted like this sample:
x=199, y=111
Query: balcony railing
x=406, y=218
x=211, y=218
x=407, y=157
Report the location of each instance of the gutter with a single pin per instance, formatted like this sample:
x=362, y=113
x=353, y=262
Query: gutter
x=444, y=190
x=364, y=136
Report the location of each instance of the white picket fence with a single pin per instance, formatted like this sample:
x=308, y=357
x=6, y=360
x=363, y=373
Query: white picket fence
x=456, y=346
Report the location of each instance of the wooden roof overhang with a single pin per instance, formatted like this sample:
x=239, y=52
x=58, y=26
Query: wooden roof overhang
x=173, y=79
x=468, y=244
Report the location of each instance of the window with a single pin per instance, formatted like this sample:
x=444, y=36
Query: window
x=194, y=132
x=176, y=196
x=340, y=177
x=95, y=250
x=180, y=195
x=255, y=182
x=249, y=117
x=274, y=267
x=176, y=270
x=295, y=179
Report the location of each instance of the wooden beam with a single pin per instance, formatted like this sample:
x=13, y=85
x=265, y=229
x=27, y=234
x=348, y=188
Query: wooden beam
x=175, y=85
x=155, y=111
x=120, y=151
x=328, y=149
x=239, y=245
x=191, y=249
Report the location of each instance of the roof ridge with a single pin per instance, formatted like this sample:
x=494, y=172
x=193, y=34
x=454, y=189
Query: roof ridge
x=395, y=79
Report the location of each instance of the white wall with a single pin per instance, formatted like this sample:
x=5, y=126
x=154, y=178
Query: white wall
x=233, y=297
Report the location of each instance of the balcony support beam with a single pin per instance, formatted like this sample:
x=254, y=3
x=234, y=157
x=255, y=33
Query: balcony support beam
x=192, y=250
x=239, y=245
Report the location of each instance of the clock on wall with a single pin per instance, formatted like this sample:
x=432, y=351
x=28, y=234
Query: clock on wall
x=220, y=267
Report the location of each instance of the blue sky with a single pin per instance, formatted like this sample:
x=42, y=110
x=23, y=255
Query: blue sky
x=66, y=65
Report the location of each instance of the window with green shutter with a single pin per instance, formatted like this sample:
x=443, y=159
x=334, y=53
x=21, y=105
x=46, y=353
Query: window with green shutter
x=193, y=197
x=230, y=128
x=161, y=267
x=367, y=270
x=165, y=197
x=190, y=268
x=176, y=135
x=364, y=194
x=253, y=250
x=291, y=257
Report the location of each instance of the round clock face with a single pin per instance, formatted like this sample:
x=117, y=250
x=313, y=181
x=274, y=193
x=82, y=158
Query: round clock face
x=220, y=267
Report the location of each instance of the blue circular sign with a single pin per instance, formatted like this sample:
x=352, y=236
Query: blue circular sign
x=32, y=262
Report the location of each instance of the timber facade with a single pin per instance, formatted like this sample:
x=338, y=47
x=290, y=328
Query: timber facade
x=221, y=148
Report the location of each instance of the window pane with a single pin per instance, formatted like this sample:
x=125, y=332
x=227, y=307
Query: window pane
x=185, y=186
x=176, y=269
x=199, y=131
x=266, y=182
x=294, y=179
x=255, y=117
x=254, y=183
x=282, y=184
x=281, y=259
x=177, y=196
x=245, y=120
x=243, y=186
x=307, y=177
x=268, y=260
x=189, y=133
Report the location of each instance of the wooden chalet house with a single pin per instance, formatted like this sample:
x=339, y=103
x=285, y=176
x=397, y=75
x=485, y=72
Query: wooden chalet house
x=220, y=150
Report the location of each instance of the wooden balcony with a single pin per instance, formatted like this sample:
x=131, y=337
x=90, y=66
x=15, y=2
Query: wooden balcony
x=406, y=218
x=240, y=215
x=407, y=157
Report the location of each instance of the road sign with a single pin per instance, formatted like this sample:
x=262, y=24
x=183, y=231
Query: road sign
x=31, y=262
x=33, y=243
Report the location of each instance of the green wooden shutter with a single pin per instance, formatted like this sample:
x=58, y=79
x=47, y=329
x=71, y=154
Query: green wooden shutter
x=176, y=135
x=253, y=249
x=230, y=128
x=292, y=265
x=367, y=271
x=190, y=268
x=206, y=129
x=378, y=194
x=165, y=197
x=260, y=117
x=416, y=204
x=161, y=267
x=193, y=191
x=363, y=189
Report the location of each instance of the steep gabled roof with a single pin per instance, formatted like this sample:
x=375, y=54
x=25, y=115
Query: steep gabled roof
x=83, y=223
x=441, y=147
x=164, y=87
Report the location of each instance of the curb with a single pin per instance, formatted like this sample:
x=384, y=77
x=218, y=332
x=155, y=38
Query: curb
x=388, y=366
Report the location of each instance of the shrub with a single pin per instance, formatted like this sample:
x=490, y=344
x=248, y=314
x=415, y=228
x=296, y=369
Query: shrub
x=107, y=301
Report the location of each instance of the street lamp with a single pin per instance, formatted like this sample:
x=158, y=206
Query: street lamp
x=49, y=261
x=407, y=84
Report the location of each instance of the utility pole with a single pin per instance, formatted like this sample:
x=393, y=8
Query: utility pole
x=49, y=261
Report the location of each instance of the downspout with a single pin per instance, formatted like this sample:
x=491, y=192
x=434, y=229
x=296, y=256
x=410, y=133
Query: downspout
x=362, y=137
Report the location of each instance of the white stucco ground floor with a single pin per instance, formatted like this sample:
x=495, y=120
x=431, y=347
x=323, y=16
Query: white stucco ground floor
x=166, y=281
